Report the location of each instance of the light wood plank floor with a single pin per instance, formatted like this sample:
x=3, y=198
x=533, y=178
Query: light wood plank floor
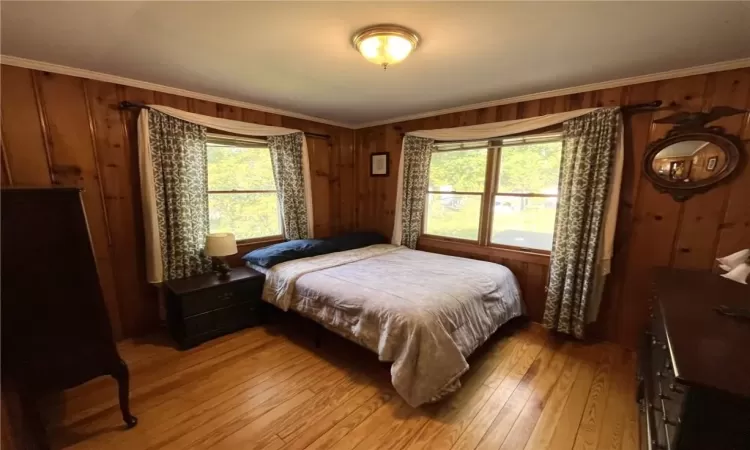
x=270, y=388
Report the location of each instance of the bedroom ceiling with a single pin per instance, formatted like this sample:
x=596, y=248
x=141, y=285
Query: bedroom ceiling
x=298, y=57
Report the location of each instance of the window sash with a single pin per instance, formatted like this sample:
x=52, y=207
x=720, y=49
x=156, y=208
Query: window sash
x=492, y=180
x=223, y=141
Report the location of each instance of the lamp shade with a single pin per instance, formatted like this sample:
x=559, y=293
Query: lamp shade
x=220, y=244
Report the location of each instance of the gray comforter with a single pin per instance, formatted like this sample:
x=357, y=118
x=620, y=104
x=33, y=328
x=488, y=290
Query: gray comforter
x=422, y=311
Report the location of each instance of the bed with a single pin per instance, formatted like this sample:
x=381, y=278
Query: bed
x=424, y=312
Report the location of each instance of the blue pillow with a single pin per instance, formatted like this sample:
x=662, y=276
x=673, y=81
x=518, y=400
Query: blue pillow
x=359, y=239
x=287, y=251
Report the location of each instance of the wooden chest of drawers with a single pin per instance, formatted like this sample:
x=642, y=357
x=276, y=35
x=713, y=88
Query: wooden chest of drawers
x=694, y=365
x=203, y=307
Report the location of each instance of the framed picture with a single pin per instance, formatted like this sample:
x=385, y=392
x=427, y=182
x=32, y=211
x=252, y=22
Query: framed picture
x=711, y=165
x=677, y=170
x=379, y=164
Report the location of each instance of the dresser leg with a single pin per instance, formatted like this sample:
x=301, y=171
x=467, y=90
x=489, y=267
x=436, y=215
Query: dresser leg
x=123, y=385
x=35, y=434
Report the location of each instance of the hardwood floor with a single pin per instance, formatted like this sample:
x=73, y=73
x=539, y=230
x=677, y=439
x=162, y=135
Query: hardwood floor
x=270, y=388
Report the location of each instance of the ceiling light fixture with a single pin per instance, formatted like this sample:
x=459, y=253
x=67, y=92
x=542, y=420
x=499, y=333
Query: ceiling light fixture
x=385, y=44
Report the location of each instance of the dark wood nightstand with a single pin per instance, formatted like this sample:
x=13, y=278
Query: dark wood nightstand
x=202, y=307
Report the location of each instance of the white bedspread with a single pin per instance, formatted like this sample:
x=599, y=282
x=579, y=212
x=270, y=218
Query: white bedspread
x=422, y=311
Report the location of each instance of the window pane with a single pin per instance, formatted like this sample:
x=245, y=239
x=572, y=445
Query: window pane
x=239, y=168
x=461, y=171
x=453, y=215
x=524, y=221
x=530, y=168
x=245, y=215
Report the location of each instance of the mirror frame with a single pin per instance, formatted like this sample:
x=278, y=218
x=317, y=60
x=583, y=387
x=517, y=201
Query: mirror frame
x=682, y=191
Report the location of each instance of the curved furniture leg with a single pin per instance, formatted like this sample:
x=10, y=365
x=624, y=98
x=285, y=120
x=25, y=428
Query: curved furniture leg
x=123, y=384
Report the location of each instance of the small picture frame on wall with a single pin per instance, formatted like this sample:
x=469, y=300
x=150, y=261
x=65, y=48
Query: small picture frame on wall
x=711, y=165
x=379, y=164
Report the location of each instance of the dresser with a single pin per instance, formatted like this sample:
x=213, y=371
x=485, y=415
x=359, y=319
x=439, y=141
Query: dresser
x=202, y=307
x=694, y=364
x=56, y=332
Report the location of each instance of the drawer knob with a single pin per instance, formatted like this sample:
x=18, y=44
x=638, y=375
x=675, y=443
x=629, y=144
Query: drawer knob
x=675, y=388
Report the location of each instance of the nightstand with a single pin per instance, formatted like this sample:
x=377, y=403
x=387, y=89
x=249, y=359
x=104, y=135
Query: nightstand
x=203, y=307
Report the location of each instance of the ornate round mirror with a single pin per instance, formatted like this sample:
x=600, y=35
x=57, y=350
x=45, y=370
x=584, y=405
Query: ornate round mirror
x=686, y=163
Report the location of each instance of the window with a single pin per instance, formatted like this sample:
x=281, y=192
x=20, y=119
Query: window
x=501, y=192
x=242, y=195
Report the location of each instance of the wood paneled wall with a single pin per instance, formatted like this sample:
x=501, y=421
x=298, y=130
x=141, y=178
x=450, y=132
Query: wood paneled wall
x=652, y=229
x=65, y=130
x=62, y=130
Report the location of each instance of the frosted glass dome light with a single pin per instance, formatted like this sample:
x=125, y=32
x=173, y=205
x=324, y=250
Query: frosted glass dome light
x=385, y=44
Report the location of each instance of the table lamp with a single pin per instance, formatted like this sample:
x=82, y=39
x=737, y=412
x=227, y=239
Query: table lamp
x=219, y=245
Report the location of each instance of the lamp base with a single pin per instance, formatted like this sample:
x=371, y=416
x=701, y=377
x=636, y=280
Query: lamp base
x=220, y=268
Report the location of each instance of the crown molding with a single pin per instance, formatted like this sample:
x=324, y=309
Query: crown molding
x=83, y=73
x=677, y=73
x=109, y=78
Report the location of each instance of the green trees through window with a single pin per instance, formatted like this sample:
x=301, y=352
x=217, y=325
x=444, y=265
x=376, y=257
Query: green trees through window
x=242, y=195
x=523, y=191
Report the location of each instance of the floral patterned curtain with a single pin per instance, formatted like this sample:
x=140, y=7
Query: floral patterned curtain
x=286, y=157
x=178, y=156
x=589, y=144
x=416, y=177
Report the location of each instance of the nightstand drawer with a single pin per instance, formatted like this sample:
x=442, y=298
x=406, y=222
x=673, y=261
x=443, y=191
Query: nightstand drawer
x=202, y=307
x=221, y=321
x=203, y=301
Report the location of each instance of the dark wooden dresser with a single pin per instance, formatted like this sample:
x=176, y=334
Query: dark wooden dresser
x=694, y=364
x=202, y=307
x=56, y=332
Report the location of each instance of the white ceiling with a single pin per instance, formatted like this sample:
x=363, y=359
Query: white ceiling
x=298, y=57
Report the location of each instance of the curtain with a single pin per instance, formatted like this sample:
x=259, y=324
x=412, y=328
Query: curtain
x=288, y=172
x=413, y=179
x=178, y=200
x=588, y=156
x=154, y=261
x=496, y=130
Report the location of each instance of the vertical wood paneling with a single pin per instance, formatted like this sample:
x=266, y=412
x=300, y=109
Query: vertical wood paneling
x=175, y=101
x=203, y=107
x=657, y=215
x=74, y=164
x=229, y=112
x=703, y=214
x=637, y=130
x=71, y=129
x=319, y=151
x=117, y=175
x=734, y=229
x=23, y=139
x=734, y=234
x=6, y=179
x=652, y=229
x=259, y=117
x=347, y=182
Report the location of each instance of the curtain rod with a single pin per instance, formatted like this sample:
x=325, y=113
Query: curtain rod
x=134, y=105
x=627, y=109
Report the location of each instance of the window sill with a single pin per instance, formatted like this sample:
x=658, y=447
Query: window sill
x=266, y=240
x=247, y=245
x=473, y=248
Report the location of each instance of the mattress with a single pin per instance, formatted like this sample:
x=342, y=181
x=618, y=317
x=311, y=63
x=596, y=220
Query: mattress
x=424, y=312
